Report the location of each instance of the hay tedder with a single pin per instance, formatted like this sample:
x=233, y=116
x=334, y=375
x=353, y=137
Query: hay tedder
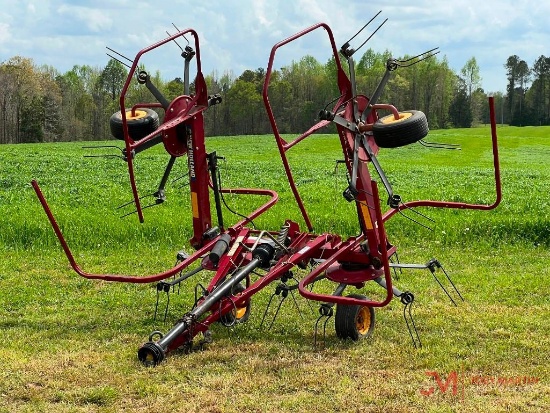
x=244, y=259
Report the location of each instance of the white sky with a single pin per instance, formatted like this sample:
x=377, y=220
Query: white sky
x=238, y=34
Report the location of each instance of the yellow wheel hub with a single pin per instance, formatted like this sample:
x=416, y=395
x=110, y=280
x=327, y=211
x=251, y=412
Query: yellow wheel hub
x=363, y=321
x=139, y=114
x=239, y=312
x=391, y=118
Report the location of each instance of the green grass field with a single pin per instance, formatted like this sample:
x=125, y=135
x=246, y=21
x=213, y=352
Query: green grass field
x=70, y=343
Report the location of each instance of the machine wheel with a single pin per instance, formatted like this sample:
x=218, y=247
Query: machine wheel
x=354, y=321
x=239, y=314
x=411, y=126
x=142, y=124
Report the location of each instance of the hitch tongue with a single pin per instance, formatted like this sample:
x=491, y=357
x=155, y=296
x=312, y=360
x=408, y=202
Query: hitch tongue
x=154, y=352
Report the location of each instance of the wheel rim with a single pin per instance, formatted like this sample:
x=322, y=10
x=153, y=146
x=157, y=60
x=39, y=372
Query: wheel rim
x=240, y=312
x=386, y=120
x=363, y=320
x=138, y=114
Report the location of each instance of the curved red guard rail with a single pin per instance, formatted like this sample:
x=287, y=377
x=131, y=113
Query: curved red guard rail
x=464, y=205
x=344, y=87
x=155, y=277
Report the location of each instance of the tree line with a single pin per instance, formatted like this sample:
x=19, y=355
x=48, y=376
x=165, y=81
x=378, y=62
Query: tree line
x=40, y=104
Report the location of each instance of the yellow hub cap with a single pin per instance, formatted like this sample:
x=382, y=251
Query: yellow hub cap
x=239, y=312
x=362, y=321
x=391, y=118
x=139, y=114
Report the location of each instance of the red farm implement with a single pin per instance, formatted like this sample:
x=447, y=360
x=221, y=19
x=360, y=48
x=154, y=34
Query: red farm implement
x=243, y=259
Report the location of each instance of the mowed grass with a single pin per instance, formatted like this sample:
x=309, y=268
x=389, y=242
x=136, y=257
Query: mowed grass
x=70, y=344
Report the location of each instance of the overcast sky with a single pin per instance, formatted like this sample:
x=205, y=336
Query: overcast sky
x=238, y=34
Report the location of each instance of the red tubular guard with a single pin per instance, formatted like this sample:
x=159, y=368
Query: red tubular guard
x=162, y=275
x=463, y=205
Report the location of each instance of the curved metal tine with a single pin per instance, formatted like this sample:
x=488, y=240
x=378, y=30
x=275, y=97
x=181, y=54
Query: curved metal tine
x=396, y=271
x=436, y=145
x=103, y=147
x=121, y=55
x=418, y=213
x=104, y=155
x=266, y=310
x=179, y=31
x=315, y=330
x=283, y=298
x=174, y=40
x=363, y=28
x=296, y=304
x=133, y=212
x=131, y=202
x=444, y=289
x=167, y=305
x=372, y=34
x=307, y=301
x=414, y=220
x=414, y=340
x=451, y=281
x=325, y=329
x=418, y=58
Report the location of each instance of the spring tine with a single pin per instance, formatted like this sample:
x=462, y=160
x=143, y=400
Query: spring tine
x=277, y=311
x=414, y=220
x=443, y=288
x=412, y=324
x=119, y=61
x=325, y=329
x=105, y=156
x=373, y=33
x=167, y=304
x=120, y=54
x=316, y=330
x=418, y=58
x=135, y=211
x=436, y=145
x=419, y=213
x=156, y=305
x=450, y=280
x=266, y=310
x=363, y=28
x=131, y=202
x=296, y=304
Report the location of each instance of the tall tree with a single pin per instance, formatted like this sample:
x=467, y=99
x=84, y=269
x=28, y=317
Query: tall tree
x=472, y=81
x=112, y=78
x=541, y=89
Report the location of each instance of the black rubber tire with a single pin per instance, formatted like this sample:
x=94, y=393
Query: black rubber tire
x=410, y=128
x=354, y=321
x=145, y=122
x=238, y=315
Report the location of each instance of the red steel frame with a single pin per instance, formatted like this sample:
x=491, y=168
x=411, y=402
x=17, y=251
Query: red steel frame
x=371, y=260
